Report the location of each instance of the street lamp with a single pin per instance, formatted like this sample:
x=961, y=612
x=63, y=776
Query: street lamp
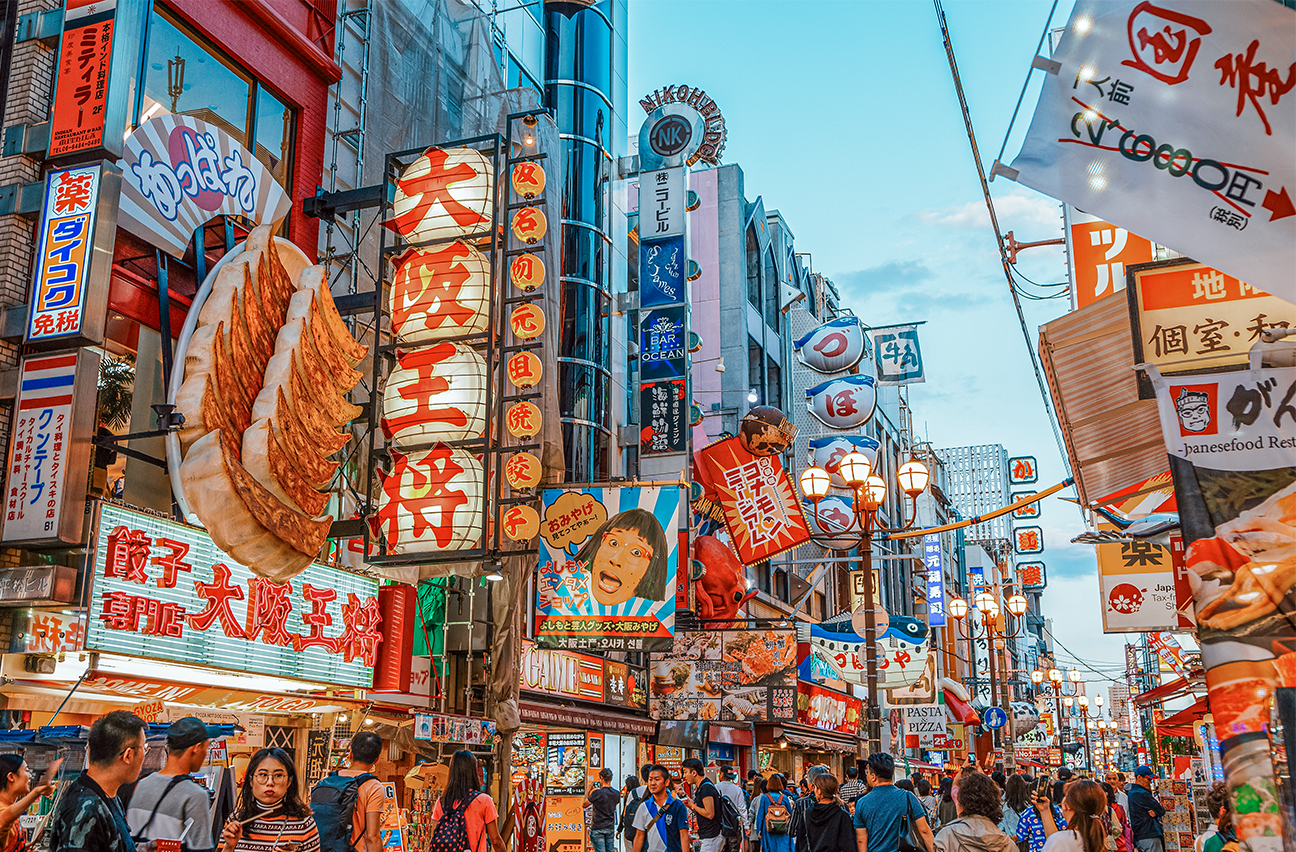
x=870, y=492
x=987, y=605
x=1054, y=677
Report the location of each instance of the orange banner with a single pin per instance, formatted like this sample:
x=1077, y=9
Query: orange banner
x=760, y=506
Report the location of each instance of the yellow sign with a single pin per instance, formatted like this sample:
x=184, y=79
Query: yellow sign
x=528, y=179
x=527, y=272
x=521, y=522
x=149, y=711
x=527, y=322
x=529, y=224
x=522, y=470
x=572, y=518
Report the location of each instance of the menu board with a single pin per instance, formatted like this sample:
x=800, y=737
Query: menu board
x=726, y=675
x=565, y=764
x=1178, y=819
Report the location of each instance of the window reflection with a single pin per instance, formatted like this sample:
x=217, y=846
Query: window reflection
x=184, y=78
x=273, y=134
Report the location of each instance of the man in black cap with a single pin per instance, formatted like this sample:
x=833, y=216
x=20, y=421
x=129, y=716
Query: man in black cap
x=166, y=800
x=1059, y=787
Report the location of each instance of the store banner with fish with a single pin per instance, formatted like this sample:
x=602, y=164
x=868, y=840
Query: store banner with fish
x=608, y=563
x=1232, y=443
x=726, y=676
x=837, y=644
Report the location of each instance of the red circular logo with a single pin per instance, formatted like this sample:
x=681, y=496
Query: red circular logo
x=1125, y=598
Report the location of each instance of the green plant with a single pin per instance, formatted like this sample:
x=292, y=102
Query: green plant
x=116, y=388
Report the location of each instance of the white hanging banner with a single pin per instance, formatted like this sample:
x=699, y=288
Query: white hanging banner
x=1174, y=120
x=899, y=357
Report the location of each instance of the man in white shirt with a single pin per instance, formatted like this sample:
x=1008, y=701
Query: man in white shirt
x=1122, y=798
x=729, y=788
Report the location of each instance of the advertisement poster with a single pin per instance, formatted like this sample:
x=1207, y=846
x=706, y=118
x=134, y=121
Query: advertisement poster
x=726, y=675
x=828, y=709
x=564, y=823
x=1232, y=443
x=608, y=560
x=760, y=507
x=565, y=763
x=1100, y=252
x=1139, y=587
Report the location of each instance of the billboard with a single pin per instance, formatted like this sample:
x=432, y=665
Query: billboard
x=1137, y=581
x=726, y=675
x=608, y=562
x=759, y=504
x=1100, y=253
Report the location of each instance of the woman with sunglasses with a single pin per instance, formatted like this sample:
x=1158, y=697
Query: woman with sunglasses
x=271, y=816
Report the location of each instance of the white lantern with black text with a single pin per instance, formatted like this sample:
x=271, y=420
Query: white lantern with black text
x=432, y=501
x=435, y=394
x=445, y=193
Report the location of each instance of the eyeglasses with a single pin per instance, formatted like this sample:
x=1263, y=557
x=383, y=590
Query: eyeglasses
x=269, y=778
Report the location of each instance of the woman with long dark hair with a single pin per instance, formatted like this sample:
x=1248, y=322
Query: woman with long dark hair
x=1084, y=807
x=1015, y=802
x=463, y=799
x=1116, y=820
x=16, y=795
x=270, y=814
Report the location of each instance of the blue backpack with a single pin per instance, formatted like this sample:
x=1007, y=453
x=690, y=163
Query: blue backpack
x=333, y=804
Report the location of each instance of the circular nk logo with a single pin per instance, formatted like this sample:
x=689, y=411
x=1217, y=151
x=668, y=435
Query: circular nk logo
x=670, y=135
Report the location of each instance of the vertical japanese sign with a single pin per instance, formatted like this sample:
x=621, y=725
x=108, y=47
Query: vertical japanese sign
x=80, y=114
x=1034, y=576
x=1023, y=470
x=74, y=255
x=661, y=272
x=899, y=357
x=1232, y=443
x=164, y=591
x=608, y=562
x=663, y=197
x=1185, y=311
x=54, y=419
x=1173, y=120
x=663, y=320
x=1100, y=253
x=760, y=507
x=933, y=558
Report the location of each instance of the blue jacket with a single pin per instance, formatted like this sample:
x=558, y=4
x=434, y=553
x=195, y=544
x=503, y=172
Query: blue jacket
x=1144, y=826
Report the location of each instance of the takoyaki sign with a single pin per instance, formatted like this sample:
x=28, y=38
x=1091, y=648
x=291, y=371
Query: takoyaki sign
x=608, y=560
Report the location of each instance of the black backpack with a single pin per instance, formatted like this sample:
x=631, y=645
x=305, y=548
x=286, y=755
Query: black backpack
x=451, y=832
x=730, y=823
x=333, y=804
x=628, y=815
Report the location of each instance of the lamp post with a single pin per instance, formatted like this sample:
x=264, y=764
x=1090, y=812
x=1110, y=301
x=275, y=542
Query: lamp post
x=987, y=606
x=1055, y=682
x=869, y=491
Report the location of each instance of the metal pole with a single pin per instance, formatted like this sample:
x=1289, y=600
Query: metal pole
x=873, y=714
x=990, y=649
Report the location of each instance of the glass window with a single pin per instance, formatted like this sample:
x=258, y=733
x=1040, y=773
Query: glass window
x=772, y=289
x=273, y=134
x=183, y=77
x=753, y=270
x=774, y=393
x=755, y=373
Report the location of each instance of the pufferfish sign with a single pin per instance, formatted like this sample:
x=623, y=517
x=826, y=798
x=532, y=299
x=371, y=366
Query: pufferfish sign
x=608, y=561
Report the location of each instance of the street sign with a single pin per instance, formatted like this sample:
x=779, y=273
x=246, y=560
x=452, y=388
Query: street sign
x=994, y=717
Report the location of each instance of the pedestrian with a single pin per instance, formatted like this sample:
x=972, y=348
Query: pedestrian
x=929, y=801
x=1015, y=802
x=88, y=814
x=1145, y=813
x=976, y=829
x=1117, y=821
x=1000, y=781
x=907, y=785
x=347, y=804
x=753, y=837
x=629, y=804
x=729, y=788
x=270, y=812
x=1037, y=822
x=642, y=790
x=887, y=811
x=805, y=787
x=602, y=798
x=1220, y=837
x=1117, y=780
x=16, y=795
x=827, y=827
x=471, y=817
x=705, y=805
x=806, y=802
x=853, y=788
x=1058, y=792
x=169, y=802
x=773, y=818
x=1083, y=810
x=946, y=808
x=661, y=823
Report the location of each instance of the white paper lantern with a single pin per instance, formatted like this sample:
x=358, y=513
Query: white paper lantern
x=432, y=501
x=447, y=192
x=435, y=394
x=440, y=292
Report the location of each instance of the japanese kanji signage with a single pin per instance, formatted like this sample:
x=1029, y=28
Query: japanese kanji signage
x=663, y=367
x=49, y=448
x=1023, y=470
x=663, y=343
x=162, y=590
x=1182, y=311
x=1100, y=252
x=846, y=402
x=1028, y=540
x=899, y=357
x=834, y=346
x=663, y=407
x=608, y=562
x=74, y=255
x=760, y=507
x=1030, y=510
x=662, y=199
x=1173, y=119
x=902, y=648
x=1137, y=583
x=827, y=709
x=98, y=65
x=1034, y=576
x=933, y=558
x=180, y=172
x=726, y=675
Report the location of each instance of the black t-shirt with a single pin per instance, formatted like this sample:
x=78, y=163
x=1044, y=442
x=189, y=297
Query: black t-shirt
x=707, y=827
x=605, y=801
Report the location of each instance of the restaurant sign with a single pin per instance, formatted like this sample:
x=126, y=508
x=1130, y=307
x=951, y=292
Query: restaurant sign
x=827, y=709
x=164, y=591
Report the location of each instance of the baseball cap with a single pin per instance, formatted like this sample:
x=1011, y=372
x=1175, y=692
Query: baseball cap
x=728, y=772
x=1064, y=774
x=1145, y=771
x=190, y=731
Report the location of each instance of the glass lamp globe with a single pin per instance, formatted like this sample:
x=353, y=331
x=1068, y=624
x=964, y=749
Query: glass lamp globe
x=1055, y=676
x=854, y=468
x=1075, y=676
x=814, y=483
x=984, y=600
x=874, y=492
x=958, y=608
x=913, y=477
x=1037, y=677
x=1017, y=604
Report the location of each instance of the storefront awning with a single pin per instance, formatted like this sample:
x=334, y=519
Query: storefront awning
x=807, y=738
x=1184, y=719
x=1164, y=692
x=1113, y=437
x=578, y=717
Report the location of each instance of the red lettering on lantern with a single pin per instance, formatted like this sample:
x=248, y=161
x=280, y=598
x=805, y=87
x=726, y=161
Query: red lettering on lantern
x=433, y=186
x=428, y=495
x=422, y=392
x=427, y=285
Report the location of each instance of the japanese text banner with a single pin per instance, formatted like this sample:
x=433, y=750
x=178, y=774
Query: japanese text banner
x=760, y=507
x=1175, y=121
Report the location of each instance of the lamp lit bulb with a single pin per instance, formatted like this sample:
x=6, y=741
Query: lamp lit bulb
x=528, y=139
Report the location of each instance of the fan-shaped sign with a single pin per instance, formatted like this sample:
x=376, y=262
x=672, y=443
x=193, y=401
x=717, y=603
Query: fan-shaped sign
x=827, y=453
x=445, y=193
x=844, y=403
x=435, y=394
x=179, y=172
x=835, y=346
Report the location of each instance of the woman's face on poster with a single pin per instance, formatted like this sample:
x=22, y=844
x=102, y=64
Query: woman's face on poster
x=620, y=562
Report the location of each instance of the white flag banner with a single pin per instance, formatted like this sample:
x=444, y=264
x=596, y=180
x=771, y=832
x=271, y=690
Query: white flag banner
x=1175, y=120
x=899, y=357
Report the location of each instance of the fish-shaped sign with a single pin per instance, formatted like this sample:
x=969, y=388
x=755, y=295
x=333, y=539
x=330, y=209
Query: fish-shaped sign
x=902, y=650
x=843, y=403
x=835, y=346
x=827, y=453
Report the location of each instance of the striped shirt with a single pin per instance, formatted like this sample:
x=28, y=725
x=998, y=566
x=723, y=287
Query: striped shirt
x=274, y=834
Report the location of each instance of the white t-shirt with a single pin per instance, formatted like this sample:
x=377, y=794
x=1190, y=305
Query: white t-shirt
x=1066, y=840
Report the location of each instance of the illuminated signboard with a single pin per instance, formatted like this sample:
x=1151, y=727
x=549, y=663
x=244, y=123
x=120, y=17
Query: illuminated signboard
x=74, y=254
x=827, y=709
x=162, y=590
x=1023, y=470
x=1028, y=540
x=1030, y=510
x=563, y=673
x=933, y=558
x=1034, y=577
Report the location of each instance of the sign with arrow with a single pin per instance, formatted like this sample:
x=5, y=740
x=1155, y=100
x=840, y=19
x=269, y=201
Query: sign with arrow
x=1174, y=120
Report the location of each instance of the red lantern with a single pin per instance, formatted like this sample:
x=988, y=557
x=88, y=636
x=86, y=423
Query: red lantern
x=521, y=522
x=522, y=471
x=528, y=179
x=447, y=192
x=435, y=394
x=527, y=321
x=522, y=420
x=440, y=292
x=524, y=370
x=431, y=501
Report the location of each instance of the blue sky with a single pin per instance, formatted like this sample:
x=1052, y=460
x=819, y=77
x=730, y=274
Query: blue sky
x=844, y=118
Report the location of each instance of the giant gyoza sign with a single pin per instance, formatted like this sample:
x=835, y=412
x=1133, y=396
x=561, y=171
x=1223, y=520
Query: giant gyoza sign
x=163, y=590
x=1175, y=120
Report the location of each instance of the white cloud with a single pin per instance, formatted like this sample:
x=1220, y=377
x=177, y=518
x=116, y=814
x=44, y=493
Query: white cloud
x=1015, y=210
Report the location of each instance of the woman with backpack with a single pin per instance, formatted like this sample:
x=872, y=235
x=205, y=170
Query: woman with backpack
x=1016, y=802
x=1117, y=823
x=773, y=822
x=946, y=810
x=270, y=812
x=629, y=804
x=827, y=827
x=464, y=817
